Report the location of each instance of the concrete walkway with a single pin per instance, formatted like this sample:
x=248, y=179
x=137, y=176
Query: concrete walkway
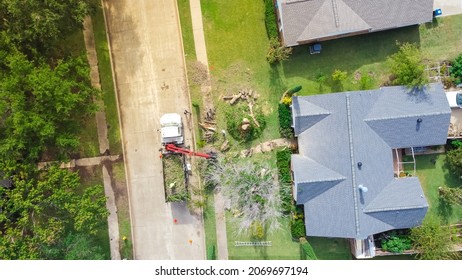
x=82, y=162
x=112, y=219
x=201, y=55
x=448, y=7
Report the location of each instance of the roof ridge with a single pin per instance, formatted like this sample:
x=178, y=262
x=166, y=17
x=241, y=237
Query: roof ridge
x=334, y=7
x=323, y=180
x=352, y=160
x=386, y=209
x=404, y=116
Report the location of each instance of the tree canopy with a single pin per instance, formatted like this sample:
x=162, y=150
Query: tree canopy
x=456, y=69
x=40, y=211
x=37, y=23
x=40, y=107
x=454, y=160
x=432, y=241
x=407, y=67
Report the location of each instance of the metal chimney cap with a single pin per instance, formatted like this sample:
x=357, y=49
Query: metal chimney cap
x=362, y=188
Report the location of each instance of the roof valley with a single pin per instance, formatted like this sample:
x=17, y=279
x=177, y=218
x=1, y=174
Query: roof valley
x=352, y=160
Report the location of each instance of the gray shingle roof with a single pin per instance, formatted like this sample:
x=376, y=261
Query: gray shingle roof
x=306, y=20
x=364, y=127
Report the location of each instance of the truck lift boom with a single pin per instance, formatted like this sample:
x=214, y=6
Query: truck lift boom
x=175, y=149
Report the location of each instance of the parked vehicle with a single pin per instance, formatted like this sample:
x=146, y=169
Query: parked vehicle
x=454, y=99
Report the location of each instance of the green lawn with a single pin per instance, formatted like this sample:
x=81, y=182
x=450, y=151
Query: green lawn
x=186, y=29
x=236, y=47
x=442, y=39
x=210, y=225
x=107, y=84
x=330, y=248
x=123, y=211
x=283, y=248
x=433, y=173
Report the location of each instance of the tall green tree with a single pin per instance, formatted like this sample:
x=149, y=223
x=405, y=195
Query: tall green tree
x=432, y=241
x=454, y=160
x=75, y=246
x=456, y=69
x=41, y=107
x=40, y=211
x=35, y=24
x=407, y=67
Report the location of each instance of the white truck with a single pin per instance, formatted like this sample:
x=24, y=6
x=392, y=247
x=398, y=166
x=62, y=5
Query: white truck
x=171, y=128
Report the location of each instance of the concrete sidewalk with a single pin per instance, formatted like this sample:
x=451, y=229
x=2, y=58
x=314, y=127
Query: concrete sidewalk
x=112, y=219
x=201, y=54
x=448, y=7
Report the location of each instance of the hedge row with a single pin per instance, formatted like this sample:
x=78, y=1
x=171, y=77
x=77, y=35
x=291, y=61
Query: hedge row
x=285, y=121
x=271, y=20
x=285, y=190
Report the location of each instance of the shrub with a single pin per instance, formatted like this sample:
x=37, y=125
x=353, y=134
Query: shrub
x=285, y=121
x=406, y=65
x=277, y=52
x=256, y=230
x=366, y=82
x=234, y=117
x=282, y=162
x=270, y=20
x=456, y=69
x=456, y=143
x=297, y=228
x=339, y=75
x=293, y=90
x=285, y=189
x=396, y=243
x=454, y=160
x=452, y=196
x=307, y=250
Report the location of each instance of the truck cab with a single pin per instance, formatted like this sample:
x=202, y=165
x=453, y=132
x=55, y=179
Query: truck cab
x=171, y=128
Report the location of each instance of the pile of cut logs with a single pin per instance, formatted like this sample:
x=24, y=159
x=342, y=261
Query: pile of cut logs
x=244, y=94
x=209, y=124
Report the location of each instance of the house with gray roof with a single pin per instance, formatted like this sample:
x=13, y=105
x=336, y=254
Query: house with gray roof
x=305, y=21
x=344, y=173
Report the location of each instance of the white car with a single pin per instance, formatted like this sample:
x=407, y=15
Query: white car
x=454, y=99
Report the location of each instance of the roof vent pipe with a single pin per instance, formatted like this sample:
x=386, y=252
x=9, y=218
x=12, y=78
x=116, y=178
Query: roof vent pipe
x=362, y=188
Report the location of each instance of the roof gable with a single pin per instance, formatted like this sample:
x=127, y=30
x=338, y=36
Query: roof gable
x=307, y=114
x=305, y=20
x=333, y=17
x=399, y=194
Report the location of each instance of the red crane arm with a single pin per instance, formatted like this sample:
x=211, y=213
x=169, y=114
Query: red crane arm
x=176, y=149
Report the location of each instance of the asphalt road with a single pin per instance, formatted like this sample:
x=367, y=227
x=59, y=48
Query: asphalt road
x=147, y=55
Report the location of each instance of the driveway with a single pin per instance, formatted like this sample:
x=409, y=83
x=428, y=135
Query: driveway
x=448, y=7
x=147, y=55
